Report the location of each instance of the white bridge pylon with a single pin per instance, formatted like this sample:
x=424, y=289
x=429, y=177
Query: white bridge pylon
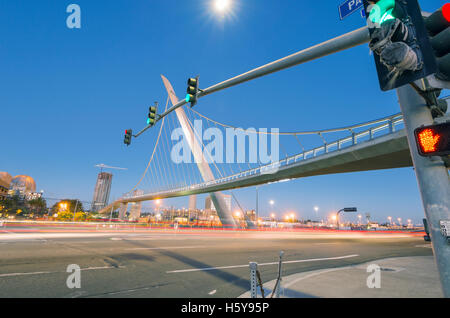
x=225, y=215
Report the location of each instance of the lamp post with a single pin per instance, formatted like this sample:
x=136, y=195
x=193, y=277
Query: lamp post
x=344, y=210
x=271, y=202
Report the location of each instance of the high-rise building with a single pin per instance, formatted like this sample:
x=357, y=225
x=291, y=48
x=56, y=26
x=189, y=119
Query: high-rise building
x=192, y=202
x=102, y=190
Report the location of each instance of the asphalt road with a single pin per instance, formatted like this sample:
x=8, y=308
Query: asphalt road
x=177, y=264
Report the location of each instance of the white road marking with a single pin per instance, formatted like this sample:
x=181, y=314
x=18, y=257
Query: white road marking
x=23, y=274
x=287, y=285
x=262, y=264
x=326, y=243
x=164, y=248
x=40, y=273
x=43, y=236
x=212, y=292
x=425, y=246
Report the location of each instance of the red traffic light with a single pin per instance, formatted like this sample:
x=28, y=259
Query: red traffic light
x=446, y=11
x=433, y=140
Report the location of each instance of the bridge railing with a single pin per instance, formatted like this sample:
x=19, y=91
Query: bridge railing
x=389, y=125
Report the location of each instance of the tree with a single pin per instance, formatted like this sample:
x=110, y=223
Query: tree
x=67, y=205
x=38, y=206
x=12, y=205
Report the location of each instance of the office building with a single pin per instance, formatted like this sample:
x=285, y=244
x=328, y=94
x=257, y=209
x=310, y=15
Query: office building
x=102, y=191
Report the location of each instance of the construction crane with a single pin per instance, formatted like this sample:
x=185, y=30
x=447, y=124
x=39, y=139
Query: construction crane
x=103, y=166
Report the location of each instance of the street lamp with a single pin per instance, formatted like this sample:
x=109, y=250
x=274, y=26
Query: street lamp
x=344, y=210
x=334, y=217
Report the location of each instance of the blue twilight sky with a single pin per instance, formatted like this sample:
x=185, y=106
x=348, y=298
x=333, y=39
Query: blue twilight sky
x=67, y=95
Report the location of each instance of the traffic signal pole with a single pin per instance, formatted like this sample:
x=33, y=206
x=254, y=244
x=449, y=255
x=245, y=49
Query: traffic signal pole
x=432, y=177
x=338, y=44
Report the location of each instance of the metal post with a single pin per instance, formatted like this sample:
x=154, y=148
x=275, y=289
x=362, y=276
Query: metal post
x=253, y=268
x=278, y=286
x=75, y=211
x=257, y=204
x=337, y=218
x=433, y=180
x=110, y=217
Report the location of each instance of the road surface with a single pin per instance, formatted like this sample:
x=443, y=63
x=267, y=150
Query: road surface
x=165, y=263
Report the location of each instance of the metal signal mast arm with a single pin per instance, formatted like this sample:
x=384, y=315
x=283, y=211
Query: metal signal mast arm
x=341, y=43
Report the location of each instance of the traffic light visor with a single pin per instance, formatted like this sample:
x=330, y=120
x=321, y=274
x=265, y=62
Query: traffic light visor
x=192, y=82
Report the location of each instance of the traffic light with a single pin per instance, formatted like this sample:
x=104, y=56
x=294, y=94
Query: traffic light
x=192, y=91
x=438, y=27
x=399, y=41
x=128, y=135
x=433, y=140
x=152, y=114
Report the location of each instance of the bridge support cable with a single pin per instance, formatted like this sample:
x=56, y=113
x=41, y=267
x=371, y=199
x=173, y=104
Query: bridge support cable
x=249, y=223
x=167, y=150
x=295, y=167
x=153, y=153
x=183, y=176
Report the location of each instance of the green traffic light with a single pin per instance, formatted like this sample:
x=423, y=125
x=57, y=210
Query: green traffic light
x=382, y=11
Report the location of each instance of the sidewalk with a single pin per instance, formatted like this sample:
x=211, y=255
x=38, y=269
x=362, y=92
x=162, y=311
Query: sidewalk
x=404, y=277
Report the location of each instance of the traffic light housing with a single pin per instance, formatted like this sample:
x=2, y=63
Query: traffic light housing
x=192, y=91
x=152, y=114
x=399, y=41
x=438, y=28
x=433, y=140
x=128, y=135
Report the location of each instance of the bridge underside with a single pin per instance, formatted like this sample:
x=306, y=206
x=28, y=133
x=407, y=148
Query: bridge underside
x=387, y=152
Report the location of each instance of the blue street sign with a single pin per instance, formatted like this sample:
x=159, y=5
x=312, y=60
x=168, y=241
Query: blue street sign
x=349, y=7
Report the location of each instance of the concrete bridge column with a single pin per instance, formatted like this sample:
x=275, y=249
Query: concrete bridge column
x=123, y=211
